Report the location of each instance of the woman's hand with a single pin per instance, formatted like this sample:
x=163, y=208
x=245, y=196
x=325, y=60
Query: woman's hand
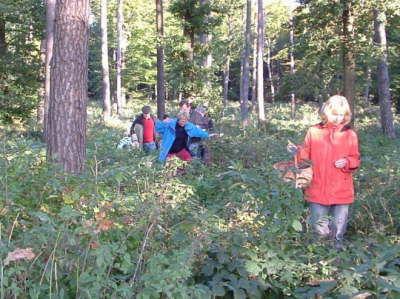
x=291, y=147
x=341, y=163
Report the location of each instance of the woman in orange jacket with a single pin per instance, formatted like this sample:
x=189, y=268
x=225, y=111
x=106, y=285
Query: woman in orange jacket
x=332, y=148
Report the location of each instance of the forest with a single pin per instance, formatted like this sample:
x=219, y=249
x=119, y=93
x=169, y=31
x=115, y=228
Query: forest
x=81, y=218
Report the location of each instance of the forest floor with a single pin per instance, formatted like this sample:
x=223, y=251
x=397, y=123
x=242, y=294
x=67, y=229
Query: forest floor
x=132, y=227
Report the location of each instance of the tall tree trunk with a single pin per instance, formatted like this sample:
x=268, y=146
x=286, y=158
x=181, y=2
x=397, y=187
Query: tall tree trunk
x=260, y=61
x=120, y=22
x=253, y=81
x=41, y=91
x=227, y=61
x=205, y=42
x=66, y=139
x=104, y=61
x=245, y=78
x=385, y=101
x=349, y=60
x=269, y=68
x=291, y=54
x=3, y=43
x=160, y=60
x=50, y=24
x=367, y=85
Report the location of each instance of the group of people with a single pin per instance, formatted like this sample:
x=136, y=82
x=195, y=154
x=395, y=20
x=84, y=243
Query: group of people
x=331, y=146
x=181, y=136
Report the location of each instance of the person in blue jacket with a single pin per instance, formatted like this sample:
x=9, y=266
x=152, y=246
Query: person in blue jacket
x=175, y=133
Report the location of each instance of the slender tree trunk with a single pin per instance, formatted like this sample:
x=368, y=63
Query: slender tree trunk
x=160, y=60
x=205, y=38
x=260, y=62
x=269, y=68
x=120, y=22
x=385, y=101
x=50, y=24
x=104, y=62
x=246, y=55
x=41, y=91
x=226, y=80
x=367, y=85
x=66, y=139
x=253, y=86
x=291, y=54
x=349, y=60
x=3, y=43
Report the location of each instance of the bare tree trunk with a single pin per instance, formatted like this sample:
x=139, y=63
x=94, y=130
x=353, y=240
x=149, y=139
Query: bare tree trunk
x=104, y=61
x=3, y=43
x=291, y=54
x=226, y=80
x=120, y=21
x=160, y=60
x=349, y=60
x=245, y=78
x=205, y=40
x=253, y=86
x=269, y=68
x=66, y=138
x=260, y=62
x=367, y=85
x=385, y=101
x=50, y=24
x=41, y=91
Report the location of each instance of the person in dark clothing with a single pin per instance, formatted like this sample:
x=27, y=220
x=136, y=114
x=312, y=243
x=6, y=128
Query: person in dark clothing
x=200, y=118
x=144, y=128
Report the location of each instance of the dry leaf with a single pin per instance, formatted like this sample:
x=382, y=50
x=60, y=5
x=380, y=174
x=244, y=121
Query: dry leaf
x=19, y=254
x=94, y=245
x=105, y=225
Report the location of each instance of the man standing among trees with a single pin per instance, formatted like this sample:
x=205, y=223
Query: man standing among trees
x=144, y=128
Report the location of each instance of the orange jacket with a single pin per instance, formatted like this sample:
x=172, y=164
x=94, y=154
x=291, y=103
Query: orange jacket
x=323, y=145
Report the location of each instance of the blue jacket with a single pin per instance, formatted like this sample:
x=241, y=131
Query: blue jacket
x=167, y=130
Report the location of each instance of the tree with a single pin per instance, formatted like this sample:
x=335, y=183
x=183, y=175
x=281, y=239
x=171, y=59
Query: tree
x=3, y=43
x=244, y=92
x=50, y=20
x=349, y=60
x=120, y=39
x=66, y=134
x=385, y=101
x=160, y=60
x=260, y=61
x=104, y=61
x=291, y=58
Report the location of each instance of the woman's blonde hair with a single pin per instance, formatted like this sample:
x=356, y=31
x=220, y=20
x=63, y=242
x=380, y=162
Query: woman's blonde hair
x=335, y=104
x=183, y=115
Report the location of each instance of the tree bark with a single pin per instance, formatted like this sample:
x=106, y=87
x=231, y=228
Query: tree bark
x=66, y=139
x=244, y=106
x=104, y=62
x=50, y=24
x=385, y=102
x=3, y=43
x=160, y=60
x=260, y=62
x=120, y=22
x=349, y=60
x=367, y=85
x=291, y=54
x=269, y=68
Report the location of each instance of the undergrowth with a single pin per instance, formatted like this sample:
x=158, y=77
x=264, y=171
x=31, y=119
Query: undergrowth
x=131, y=227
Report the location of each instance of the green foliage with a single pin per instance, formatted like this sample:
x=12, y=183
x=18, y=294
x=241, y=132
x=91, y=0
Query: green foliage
x=20, y=61
x=131, y=227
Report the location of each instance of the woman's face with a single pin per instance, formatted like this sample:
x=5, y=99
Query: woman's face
x=335, y=117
